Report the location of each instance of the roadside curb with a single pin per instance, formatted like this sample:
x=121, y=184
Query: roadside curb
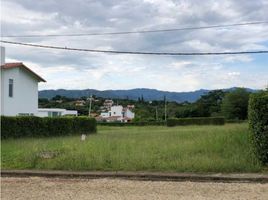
x=149, y=176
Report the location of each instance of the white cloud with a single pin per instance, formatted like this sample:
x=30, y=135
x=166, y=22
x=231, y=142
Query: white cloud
x=179, y=64
x=65, y=69
x=233, y=73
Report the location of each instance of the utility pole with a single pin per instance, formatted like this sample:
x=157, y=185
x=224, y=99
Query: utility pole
x=156, y=113
x=89, y=109
x=165, y=109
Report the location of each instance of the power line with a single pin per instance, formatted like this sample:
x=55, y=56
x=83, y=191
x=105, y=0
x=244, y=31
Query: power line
x=135, y=52
x=135, y=32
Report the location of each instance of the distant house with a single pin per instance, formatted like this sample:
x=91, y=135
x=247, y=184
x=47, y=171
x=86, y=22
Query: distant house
x=117, y=114
x=59, y=101
x=94, y=114
x=130, y=107
x=80, y=103
x=108, y=103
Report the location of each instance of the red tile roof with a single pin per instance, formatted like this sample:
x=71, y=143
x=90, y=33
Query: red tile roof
x=21, y=65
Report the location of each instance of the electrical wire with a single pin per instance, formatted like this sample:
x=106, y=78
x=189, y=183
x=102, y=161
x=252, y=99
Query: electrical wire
x=136, y=32
x=135, y=52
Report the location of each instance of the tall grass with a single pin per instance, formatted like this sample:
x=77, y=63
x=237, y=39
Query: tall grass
x=179, y=149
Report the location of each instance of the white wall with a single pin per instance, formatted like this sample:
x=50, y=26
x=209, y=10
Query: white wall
x=2, y=60
x=44, y=112
x=9, y=104
x=129, y=114
x=25, y=92
x=105, y=114
x=116, y=110
x=70, y=112
x=2, y=92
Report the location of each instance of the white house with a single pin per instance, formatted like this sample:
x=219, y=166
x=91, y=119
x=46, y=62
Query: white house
x=19, y=90
x=108, y=103
x=117, y=113
x=55, y=112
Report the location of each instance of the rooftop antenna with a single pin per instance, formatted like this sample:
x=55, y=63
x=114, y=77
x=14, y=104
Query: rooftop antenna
x=165, y=109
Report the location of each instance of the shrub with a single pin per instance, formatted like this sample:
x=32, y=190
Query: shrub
x=196, y=121
x=154, y=123
x=16, y=127
x=235, y=121
x=258, y=123
x=59, y=126
x=83, y=124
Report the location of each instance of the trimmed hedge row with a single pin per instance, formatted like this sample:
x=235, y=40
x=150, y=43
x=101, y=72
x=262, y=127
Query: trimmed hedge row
x=235, y=121
x=132, y=124
x=258, y=124
x=196, y=121
x=16, y=127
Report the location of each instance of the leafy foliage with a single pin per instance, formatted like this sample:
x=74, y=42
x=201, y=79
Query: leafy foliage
x=208, y=105
x=196, y=121
x=235, y=104
x=148, y=123
x=258, y=123
x=16, y=127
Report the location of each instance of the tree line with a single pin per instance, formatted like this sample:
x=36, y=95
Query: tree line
x=230, y=104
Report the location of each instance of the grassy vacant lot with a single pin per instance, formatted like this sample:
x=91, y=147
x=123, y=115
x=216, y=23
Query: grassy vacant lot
x=150, y=148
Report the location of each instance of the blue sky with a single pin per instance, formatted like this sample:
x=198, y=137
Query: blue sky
x=77, y=70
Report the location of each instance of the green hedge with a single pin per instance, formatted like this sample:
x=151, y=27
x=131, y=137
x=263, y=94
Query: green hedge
x=196, y=121
x=258, y=123
x=161, y=123
x=235, y=121
x=16, y=127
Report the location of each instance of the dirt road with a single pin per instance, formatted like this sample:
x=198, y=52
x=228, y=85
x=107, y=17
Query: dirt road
x=58, y=188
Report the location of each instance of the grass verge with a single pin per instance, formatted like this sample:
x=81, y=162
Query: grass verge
x=150, y=148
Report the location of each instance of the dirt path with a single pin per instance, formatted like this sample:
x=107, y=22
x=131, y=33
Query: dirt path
x=58, y=188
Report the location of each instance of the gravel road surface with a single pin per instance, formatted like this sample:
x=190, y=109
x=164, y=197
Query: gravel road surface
x=60, y=188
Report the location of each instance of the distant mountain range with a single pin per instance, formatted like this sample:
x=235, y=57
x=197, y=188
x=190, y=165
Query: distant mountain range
x=134, y=94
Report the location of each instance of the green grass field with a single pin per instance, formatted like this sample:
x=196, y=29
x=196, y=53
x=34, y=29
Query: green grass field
x=149, y=148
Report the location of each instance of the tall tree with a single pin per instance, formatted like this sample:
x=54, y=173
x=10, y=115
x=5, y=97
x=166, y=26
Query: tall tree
x=235, y=104
x=142, y=99
x=210, y=104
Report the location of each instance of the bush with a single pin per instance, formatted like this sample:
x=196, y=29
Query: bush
x=83, y=124
x=16, y=127
x=196, y=121
x=154, y=123
x=235, y=121
x=258, y=123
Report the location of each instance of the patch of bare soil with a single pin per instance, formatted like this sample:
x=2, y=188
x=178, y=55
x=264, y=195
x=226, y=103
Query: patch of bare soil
x=59, y=188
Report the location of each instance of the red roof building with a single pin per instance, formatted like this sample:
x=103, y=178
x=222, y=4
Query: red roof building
x=21, y=65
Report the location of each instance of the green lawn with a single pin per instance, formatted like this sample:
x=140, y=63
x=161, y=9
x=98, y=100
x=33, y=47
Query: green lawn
x=150, y=148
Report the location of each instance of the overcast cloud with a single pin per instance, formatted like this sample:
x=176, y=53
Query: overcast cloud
x=78, y=70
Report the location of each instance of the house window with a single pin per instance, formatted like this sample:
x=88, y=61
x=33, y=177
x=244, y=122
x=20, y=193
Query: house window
x=54, y=114
x=10, y=87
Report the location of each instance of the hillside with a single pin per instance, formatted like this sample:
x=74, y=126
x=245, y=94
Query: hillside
x=133, y=94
